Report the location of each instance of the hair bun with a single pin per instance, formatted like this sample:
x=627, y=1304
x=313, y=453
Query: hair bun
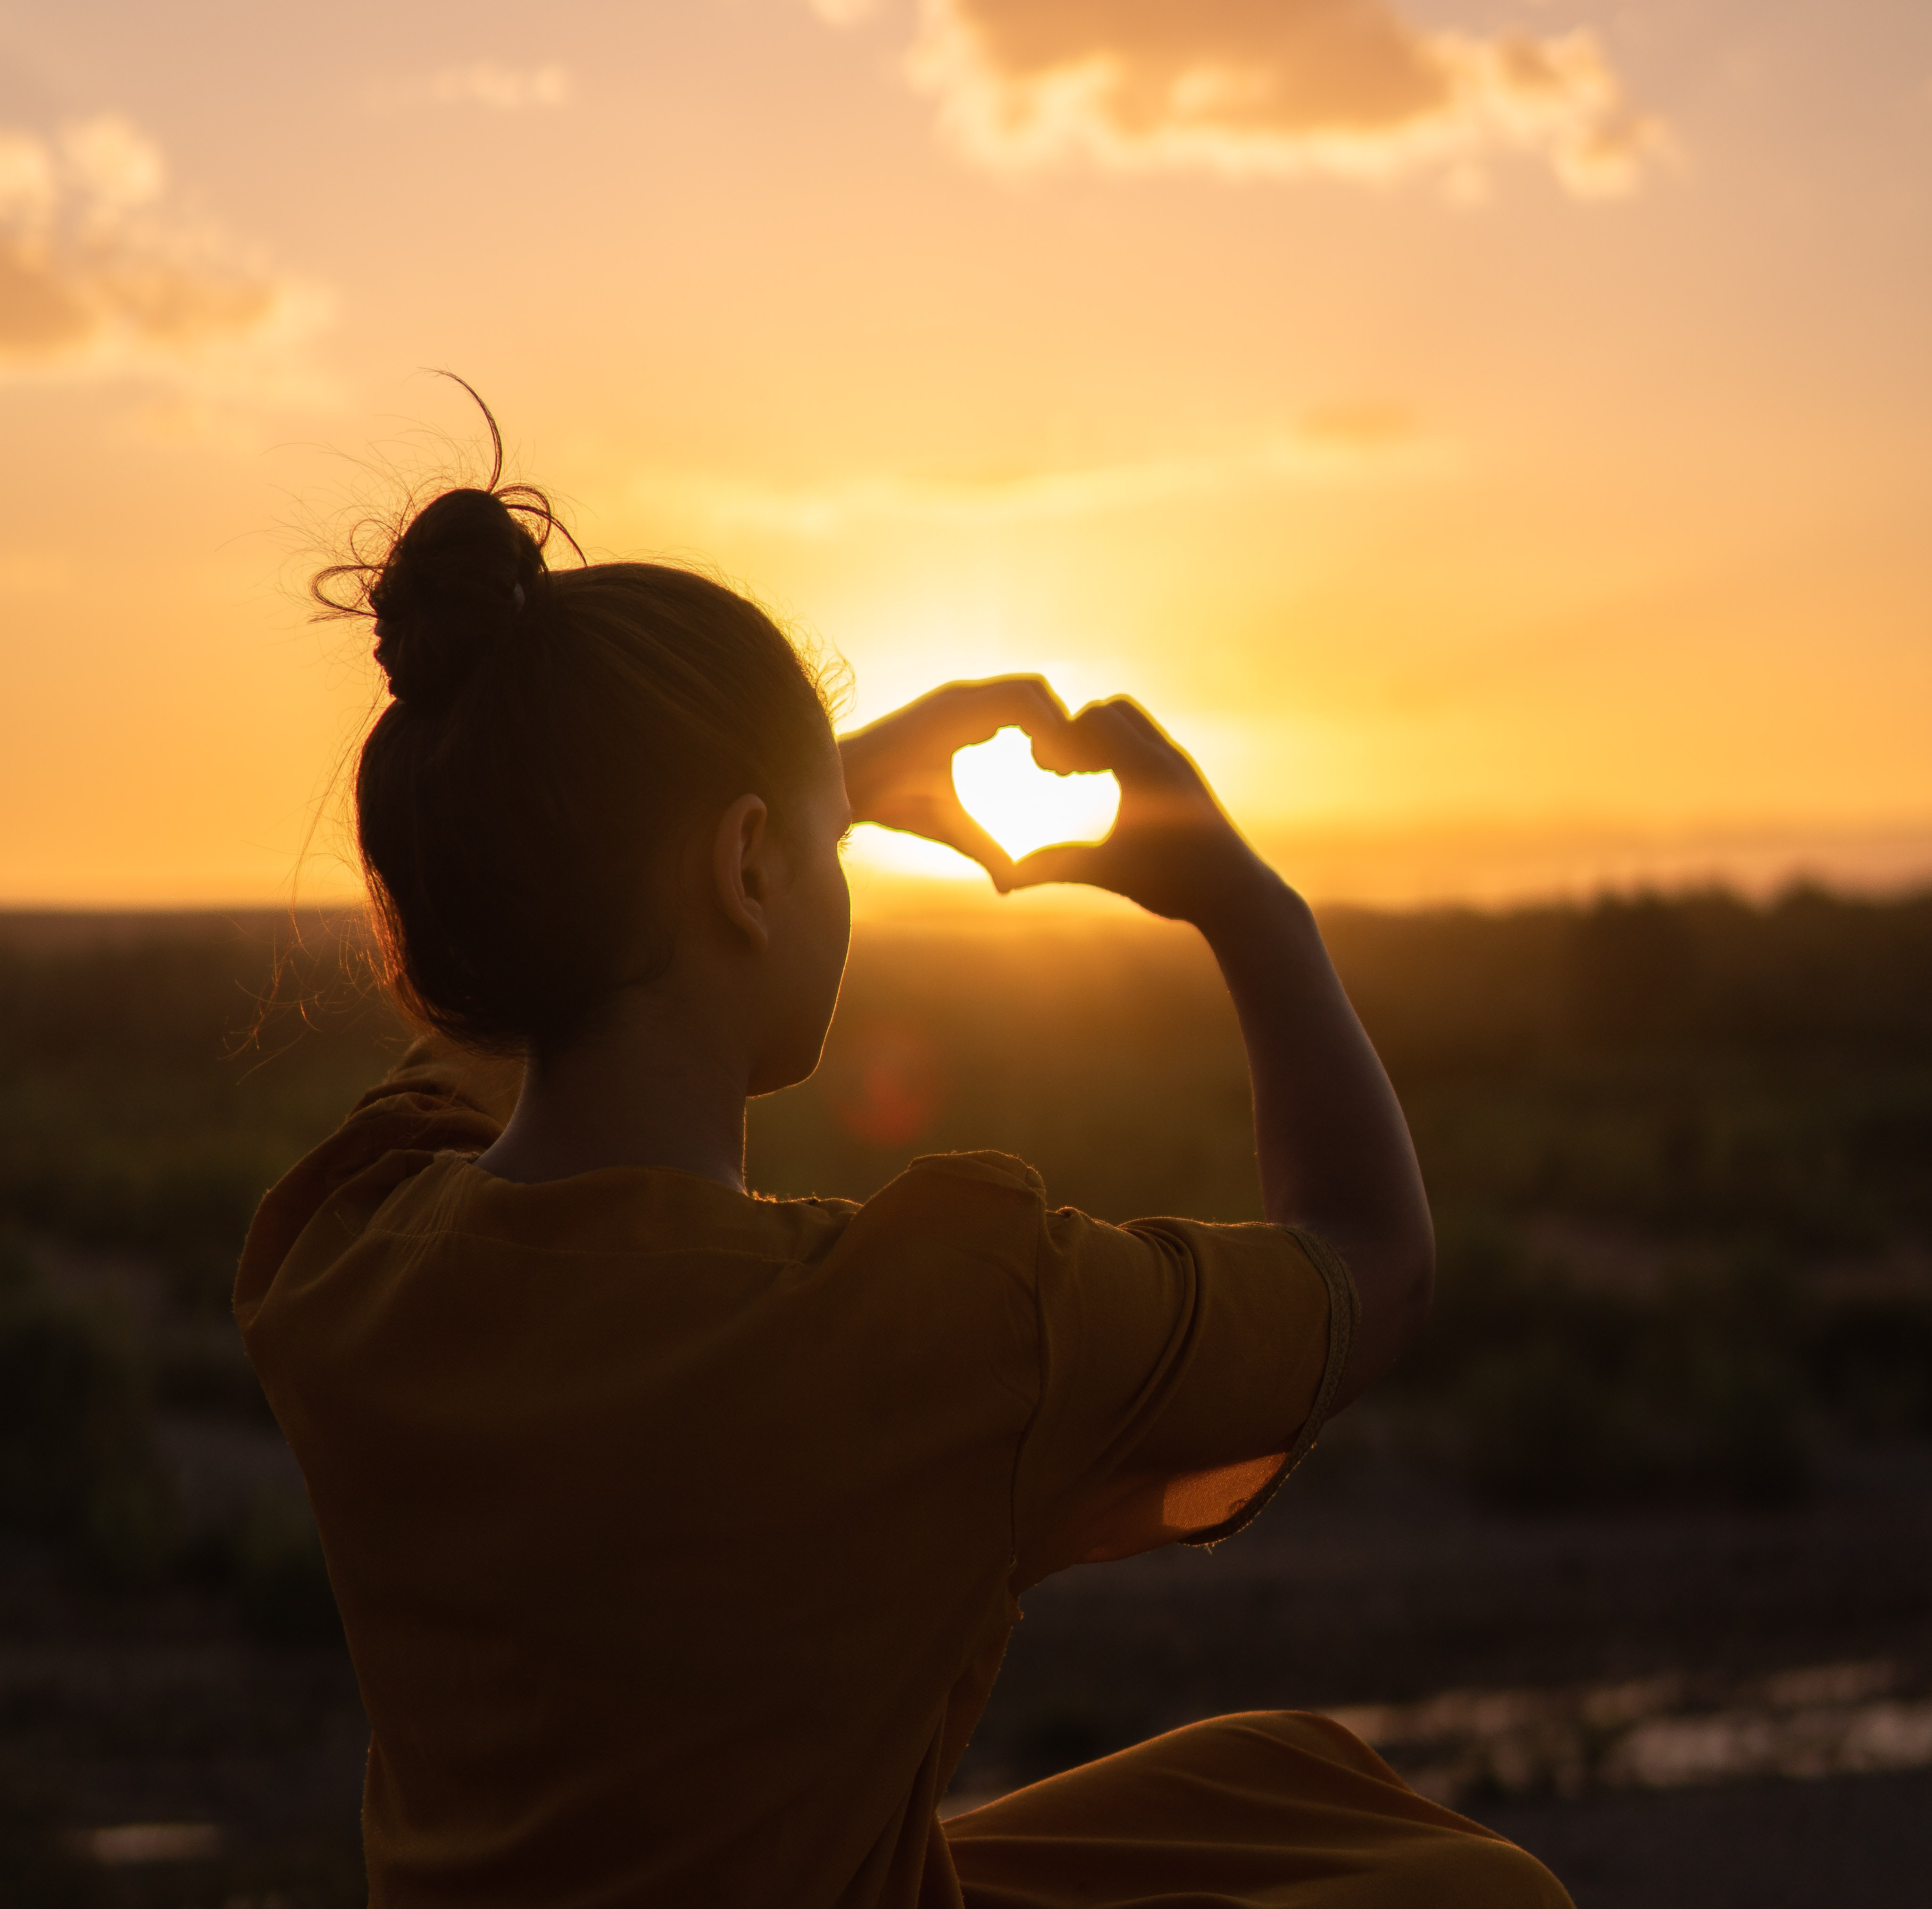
x=452, y=588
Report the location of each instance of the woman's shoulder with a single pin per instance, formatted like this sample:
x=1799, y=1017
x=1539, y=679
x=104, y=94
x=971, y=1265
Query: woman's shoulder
x=962, y=1208
x=982, y=1167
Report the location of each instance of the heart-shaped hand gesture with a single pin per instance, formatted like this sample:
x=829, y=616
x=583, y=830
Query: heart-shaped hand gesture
x=1172, y=848
x=898, y=770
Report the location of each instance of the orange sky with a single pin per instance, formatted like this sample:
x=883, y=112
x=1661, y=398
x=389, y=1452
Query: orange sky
x=1497, y=437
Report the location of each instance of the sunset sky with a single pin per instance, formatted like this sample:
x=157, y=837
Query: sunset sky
x=1496, y=437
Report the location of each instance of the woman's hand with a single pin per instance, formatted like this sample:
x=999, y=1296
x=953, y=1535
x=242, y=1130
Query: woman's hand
x=898, y=770
x=1172, y=848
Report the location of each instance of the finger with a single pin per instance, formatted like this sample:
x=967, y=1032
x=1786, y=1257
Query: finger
x=1078, y=747
x=958, y=713
x=1157, y=739
x=1030, y=703
x=936, y=814
x=1100, y=738
x=958, y=830
x=1037, y=708
x=1067, y=862
x=1139, y=719
x=1147, y=751
x=961, y=714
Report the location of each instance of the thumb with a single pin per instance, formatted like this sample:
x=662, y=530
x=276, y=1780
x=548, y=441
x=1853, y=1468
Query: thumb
x=958, y=830
x=946, y=819
x=1065, y=861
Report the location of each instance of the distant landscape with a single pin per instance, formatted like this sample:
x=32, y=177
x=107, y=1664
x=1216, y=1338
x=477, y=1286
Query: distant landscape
x=1665, y=1446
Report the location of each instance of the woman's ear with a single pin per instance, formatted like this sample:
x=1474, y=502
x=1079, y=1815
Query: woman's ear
x=742, y=869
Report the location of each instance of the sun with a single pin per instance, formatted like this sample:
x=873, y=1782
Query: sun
x=1023, y=808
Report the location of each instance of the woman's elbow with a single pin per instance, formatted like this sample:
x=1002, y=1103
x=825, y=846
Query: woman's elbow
x=1415, y=1295
x=1395, y=1287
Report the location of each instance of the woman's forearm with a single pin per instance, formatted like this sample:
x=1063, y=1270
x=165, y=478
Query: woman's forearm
x=1333, y=1147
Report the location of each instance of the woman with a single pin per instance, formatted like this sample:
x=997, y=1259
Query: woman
x=676, y=1532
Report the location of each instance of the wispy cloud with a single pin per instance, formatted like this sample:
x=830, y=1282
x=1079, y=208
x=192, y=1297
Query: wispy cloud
x=1335, y=445
x=1269, y=88
x=102, y=274
x=489, y=84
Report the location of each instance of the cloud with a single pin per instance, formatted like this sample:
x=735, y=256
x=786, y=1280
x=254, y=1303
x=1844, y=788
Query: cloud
x=100, y=275
x=1267, y=89
x=1332, y=446
x=485, y=83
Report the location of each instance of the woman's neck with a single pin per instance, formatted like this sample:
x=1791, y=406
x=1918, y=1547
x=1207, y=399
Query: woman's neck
x=652, y=1086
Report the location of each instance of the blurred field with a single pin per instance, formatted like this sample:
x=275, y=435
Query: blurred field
x=1672, y=1420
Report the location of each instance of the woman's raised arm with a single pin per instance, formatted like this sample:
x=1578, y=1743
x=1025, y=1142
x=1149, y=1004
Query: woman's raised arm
x=1335, y=1151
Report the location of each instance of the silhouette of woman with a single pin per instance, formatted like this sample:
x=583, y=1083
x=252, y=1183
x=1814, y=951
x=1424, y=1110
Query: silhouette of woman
x=676, y=1532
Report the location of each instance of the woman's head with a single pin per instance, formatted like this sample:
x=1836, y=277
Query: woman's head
x=560, y=744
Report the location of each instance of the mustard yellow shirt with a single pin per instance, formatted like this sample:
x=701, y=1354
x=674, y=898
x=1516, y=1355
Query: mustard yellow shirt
x=676, y=1532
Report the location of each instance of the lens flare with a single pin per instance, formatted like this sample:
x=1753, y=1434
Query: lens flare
x=1023, y=808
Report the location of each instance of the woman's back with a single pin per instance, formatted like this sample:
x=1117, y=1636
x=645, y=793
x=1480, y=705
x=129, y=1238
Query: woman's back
x=675, y=1531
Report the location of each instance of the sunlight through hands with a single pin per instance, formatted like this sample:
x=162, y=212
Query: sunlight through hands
x=1024, y=808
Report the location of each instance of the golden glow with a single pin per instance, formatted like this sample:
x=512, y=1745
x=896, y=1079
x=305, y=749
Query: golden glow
x=885, y=858
x=1023, y=808
x=1477, y=537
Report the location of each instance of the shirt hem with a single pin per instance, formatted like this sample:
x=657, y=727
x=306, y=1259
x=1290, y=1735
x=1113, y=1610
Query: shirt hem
x=1344, y=1312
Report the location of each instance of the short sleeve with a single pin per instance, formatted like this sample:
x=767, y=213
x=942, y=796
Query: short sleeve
x=1185, y=1369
